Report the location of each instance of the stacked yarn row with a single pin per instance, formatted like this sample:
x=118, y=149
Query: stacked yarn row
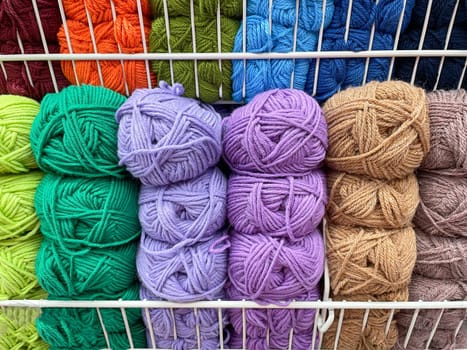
x=25, y=31
x=88, y=214
x=280, y=28
x=119, y=26
x=196, y=26
x=19, y=226
x=275, y=146
x=378, y=135
x=441, y=228
x=172, y=144
x=437, y=36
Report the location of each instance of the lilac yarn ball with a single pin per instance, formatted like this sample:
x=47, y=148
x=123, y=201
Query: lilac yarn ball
x=180, y=272
x=188, y=211
x=165, y=138
x=289, y=207
x=271, y=270
x=185, y=322
x=277, y=322
x=279, y=133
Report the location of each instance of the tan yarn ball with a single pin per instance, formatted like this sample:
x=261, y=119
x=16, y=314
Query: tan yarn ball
x=357, y=200
x=380, y=129
x=369, y=261
x=448, y=125
x=443, y=205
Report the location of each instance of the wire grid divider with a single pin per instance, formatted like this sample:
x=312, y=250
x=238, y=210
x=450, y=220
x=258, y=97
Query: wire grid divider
x=220, y=56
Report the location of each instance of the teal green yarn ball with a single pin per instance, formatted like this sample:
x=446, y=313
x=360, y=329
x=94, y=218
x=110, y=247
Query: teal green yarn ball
x=85, y=271
x=82, y=212
x=75, y=132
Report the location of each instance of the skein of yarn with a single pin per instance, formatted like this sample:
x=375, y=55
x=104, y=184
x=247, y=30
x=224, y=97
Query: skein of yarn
x=442, y=339
x=75, y=132
x=369, y=261
x=182, y=273
x=164, y=137
x=289, y=207
x=443, y=205
x=448, y=122
x=271, y=270
x=188, y=211
x=279, y=133
x=380, y=130
x=205, y=8
x=362, y=201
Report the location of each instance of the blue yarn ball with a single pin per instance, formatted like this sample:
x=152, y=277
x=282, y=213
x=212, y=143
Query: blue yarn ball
x=441, y=13
x=388, y=13
x=362, y=17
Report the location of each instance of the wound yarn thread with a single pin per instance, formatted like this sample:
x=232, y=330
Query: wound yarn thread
x=380, y=130
x=362, y=201
x=188, y=211
x=164, y=137
x=279, y=133
x=204, y=8
x=75, y=132
x=290, y=207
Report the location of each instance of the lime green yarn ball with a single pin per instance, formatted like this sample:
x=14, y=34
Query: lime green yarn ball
x=228, y=8
x=18, y=330
x=75, y=132
x=16, y=116
x=18, y=218
x=83, y=212
x=211, y=77
x=91, y=271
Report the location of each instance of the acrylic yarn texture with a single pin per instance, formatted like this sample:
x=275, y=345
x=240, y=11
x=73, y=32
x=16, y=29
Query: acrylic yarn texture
x=279, y=133
x=164, y=137
x=380, y=130
x=204, y=8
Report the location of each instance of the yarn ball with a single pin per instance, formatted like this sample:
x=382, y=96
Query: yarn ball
x=443, y=205
x=441, y=257
x=212, y=78
x=17, y=329
x=362, y=201
x=448, y=122
x=202, y=8
x=289, y=207
x=17, y=273
x=80, y=212
x=164, y=137
x=16, y=116
x=123, y=35
x=430, y=289
x=75, y=132
x=188, y=211
x=182, y=273
x=272, y=270
x=442, y=339
x=185, y=324
x=279, y=133
x=32, y=78
x=380, y=130
x=271, y=328
x=92, y=271
x=18, y=218
x=370, y=261
x=441, y=12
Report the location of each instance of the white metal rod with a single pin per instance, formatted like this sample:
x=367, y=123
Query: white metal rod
x=461, y=78
x=167, y=30
x=151, y=327
x=143, y=40
x=193, y=38
x=219, y=44
x=433, y=331
x=127, y=328
x=411, y=326
x=295, y=39
x=125, y=81
x=26, y=66
x=388, y=324
x=106, y=336
x=339, y=328
x=68, y=41
x=198, y=333
x=422, y=40
x=221, y=328
x=365, y=319
x=94, y=44
x=396, y=39
x=347, y=21
x=174, y=323
x=244, y=24
x=244, y=328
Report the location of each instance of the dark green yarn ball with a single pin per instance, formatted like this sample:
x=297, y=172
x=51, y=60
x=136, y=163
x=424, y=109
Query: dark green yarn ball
x=228, y=8
x=75, y=132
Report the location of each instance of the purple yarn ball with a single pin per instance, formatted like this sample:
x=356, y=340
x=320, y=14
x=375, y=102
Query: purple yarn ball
x=188, y=211
x=180, y=272
x=278, y=322
x=267, y=269
x=289, y=207
x=164, y=137
x=279, y=133
x=185, y=322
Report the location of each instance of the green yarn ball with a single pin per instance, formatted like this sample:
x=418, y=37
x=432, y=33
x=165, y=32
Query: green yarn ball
x=83, y=212
x=18, y=218
x=85, y=271
x=18, y=330
x=75, y=132
x=210, y=77
x=228, y=8
x=16, y=116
